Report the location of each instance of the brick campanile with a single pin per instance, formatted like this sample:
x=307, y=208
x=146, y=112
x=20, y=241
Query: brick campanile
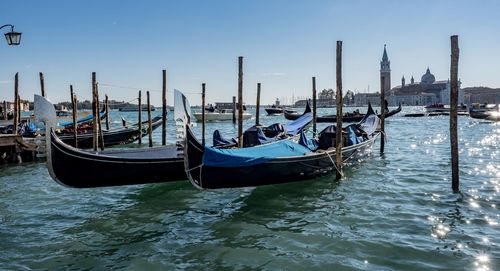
x=385, y=71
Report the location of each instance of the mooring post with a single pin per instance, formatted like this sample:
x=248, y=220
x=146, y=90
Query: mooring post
x=75, y=125
x=257, y=109
x=139, y=117
x=164, y=109
x=203, y=120
x=234, y=109
x=338, y=98
x=99, y=122
x=382, y=113
x=42, y=84
x=95, y=112
x=453, y=113
x=16, y=104
x=106, y=106
x=18, y=109
x=150, y=124
x=314, y=104
x=5, y=110
x=240, y=102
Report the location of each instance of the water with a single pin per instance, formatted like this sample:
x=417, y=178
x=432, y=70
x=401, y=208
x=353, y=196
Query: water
x=392, y=212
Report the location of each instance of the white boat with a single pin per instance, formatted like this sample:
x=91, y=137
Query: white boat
x=219, y=116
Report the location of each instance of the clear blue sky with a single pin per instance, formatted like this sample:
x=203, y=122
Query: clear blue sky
x=284, y=44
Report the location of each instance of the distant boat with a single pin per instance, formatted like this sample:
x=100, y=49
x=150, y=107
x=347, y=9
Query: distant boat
x=220, y=115
x=438, y=107
x=135, y=108
x=347, y=117
x=275, y=109
x=486, y=112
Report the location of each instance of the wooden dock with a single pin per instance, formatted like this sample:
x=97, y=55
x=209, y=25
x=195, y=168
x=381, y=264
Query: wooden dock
x=14, y=149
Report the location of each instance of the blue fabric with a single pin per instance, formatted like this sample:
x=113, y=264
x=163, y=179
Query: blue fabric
x=294, y=127
x=218, y=140
x=254, y=136
x=86, y=118
x=251, y=156
x=311, y=144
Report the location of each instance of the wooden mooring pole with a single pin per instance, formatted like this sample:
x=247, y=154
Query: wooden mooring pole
x=382, y=113
x=203, y=120
x=139, y=117
x=234, y=109
x=16, y=104
x=338, y=98
x=5, y=110
x=164, y=109
x=150, y=124
x=42, y=84
x=240, y=102
x=106, y=106
x=314, y=104
x=95, y=112
x=257, y=109
x=453, y=113
x=98, y=110
x=75, y=125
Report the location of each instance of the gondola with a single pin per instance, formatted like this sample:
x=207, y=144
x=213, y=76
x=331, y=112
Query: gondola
x=83, y=169
x=280, y=162
x=83, y=120
x=112, y=137
x=348, y=117
x=274, y=110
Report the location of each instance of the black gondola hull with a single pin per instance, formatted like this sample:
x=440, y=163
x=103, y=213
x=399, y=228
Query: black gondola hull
x=280, y=170
x=80, y=169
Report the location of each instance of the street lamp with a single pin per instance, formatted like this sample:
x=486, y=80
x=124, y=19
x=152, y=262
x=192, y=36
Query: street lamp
x=13, y=38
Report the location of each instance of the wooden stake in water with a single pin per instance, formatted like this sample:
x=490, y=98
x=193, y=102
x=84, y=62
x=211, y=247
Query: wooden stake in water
x=338, y=131
x=16, y=104
x=234, y=109
x=99, y=123
x=150, y=124
x=42, y=84
x=453, y=113
x=314, y=104
x=75, y=125
x=164, y=109
x=106, y=106
x=382, y=113
x=240, y=101
x=203, y=120
x=139, y=117
x=5, y=110
x=257, y=106
x=95, y=112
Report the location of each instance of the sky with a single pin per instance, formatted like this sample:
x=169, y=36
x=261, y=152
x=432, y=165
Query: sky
x=284, y=44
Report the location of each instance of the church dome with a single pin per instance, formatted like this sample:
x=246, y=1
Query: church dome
x=428, y=78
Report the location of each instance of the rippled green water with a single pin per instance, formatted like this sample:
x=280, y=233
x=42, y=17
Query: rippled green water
x=391, y=212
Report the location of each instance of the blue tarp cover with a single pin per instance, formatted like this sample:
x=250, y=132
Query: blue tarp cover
x=219, y=140
x=311, y=144
x=251, y=156
x=294, y=127
x=86, y=118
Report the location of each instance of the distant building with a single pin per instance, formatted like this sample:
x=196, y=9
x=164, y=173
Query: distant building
x=428, y=91
x=24, y=106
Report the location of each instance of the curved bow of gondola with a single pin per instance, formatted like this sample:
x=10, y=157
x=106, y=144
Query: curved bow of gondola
x=294, y=115
x=193, y=158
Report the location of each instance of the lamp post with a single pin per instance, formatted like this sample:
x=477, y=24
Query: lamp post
x=12, y=37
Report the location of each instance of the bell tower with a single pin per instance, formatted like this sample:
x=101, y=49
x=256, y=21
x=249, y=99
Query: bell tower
x=385, y=70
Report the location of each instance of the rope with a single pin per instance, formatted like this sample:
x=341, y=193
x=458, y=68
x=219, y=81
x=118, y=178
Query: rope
x=334, y=165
